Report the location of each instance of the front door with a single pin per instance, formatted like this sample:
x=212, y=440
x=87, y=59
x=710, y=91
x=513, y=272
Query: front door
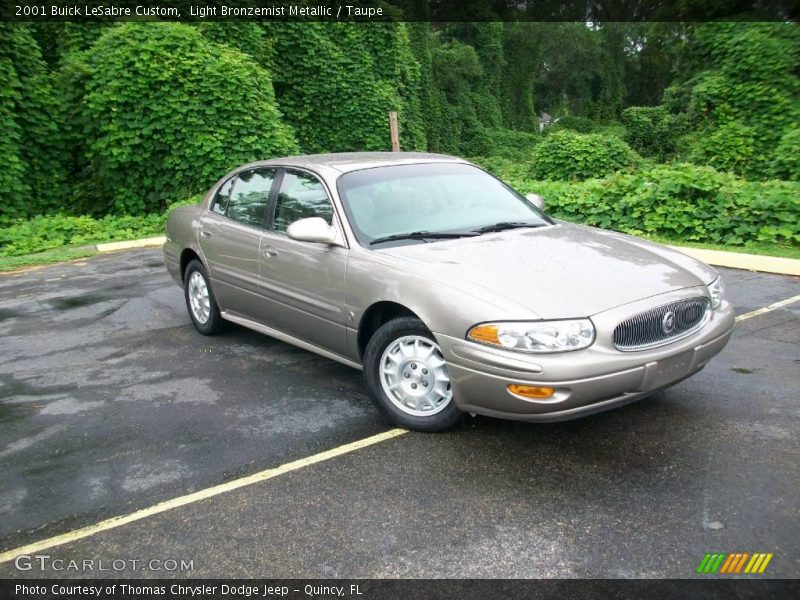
x=305, y=280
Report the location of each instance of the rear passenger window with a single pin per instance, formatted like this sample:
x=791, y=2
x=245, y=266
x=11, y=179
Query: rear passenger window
x=301, y=196
x=248, y=200
x=221, y=199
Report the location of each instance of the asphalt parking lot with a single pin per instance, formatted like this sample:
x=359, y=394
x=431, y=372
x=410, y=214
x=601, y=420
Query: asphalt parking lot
x=111, y=402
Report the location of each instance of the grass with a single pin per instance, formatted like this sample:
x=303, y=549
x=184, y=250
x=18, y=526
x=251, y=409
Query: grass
x=762, y=248
x=67, y=253
x=12, y=263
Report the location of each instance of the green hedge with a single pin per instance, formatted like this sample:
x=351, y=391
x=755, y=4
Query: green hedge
x=566, y=155
x=54, y=231
x=157, y=112
x=681, y=202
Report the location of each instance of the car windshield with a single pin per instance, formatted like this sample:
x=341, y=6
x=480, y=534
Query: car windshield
x=435, y=198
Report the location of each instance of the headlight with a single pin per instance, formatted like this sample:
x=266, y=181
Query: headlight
x=535, y=336
x=715, y=290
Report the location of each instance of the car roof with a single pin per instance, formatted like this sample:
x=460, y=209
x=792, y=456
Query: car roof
x=352, y=161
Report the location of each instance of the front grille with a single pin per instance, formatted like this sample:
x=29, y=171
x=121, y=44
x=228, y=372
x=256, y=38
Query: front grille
x=654, y=327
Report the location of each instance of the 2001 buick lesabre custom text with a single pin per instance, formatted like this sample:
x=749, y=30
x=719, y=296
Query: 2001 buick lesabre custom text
x=453, y=292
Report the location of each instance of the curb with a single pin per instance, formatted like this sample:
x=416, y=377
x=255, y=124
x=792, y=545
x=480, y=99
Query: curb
x=717, y=258
x=748, y=262
x=143, y=243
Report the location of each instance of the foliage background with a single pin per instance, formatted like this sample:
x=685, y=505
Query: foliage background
x=688, y=131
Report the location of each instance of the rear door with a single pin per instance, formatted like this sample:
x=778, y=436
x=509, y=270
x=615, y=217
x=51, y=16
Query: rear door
x=304, y=280
x=230, y=234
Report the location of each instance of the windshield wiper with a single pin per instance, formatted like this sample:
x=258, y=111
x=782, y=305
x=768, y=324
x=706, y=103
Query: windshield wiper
x=422, y=235
x=503, y=225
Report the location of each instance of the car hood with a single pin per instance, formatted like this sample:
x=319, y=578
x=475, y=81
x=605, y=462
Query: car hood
x=557, y=271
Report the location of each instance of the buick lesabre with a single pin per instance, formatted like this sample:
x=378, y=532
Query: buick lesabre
x=454, y=293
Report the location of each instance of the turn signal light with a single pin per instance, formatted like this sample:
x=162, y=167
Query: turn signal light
x=486, y=334
x=530, y=391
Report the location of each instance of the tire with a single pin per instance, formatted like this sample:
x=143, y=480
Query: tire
x=205, y=315
x=413, y=360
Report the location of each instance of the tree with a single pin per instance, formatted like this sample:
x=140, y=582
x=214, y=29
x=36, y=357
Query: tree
x=742, y=96
x=337, y=82
x=158, y=113
x=31, y=173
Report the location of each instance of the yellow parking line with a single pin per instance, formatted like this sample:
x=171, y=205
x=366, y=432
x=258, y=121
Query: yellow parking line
x=228, y=486
x=766, y=309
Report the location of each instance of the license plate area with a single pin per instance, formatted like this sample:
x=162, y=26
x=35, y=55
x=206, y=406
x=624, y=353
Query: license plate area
x=672, y=368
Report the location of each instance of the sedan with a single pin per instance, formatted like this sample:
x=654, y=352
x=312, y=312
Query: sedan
x=451, y=291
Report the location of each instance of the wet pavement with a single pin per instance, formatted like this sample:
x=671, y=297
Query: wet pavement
x=110, y=402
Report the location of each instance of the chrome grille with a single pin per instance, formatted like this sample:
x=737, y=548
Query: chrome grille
x=654, y=327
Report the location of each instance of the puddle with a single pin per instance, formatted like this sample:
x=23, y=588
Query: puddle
x=11, y=387
x=6, y=313
x=78, y=301
x=12, y=412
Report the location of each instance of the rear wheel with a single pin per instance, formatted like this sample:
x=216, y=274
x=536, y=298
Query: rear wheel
x=200, y=301
x=407, y=378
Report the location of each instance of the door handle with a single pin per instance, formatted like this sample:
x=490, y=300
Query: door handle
x=269, y=252
x=205, y=233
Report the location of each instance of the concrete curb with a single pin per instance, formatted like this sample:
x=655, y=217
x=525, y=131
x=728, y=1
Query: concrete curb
x=748, y=262
x=143, y=243
x=733, y=260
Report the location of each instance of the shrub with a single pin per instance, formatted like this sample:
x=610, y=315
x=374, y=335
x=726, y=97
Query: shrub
x=682, y=202
x=729, y=147
x=566, y=155
x=508, y=169
x=579, y=124
x=158, y=112
x=786, y=164
x=651, y=130
x=53, y=231
x=507, y=143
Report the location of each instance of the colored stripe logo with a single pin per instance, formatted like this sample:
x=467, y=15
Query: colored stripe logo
x=734, y=563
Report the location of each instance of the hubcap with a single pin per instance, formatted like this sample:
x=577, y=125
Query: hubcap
x=199, y=299
x=413, y=374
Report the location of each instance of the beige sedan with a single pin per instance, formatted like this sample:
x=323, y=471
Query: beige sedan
x=453, y=293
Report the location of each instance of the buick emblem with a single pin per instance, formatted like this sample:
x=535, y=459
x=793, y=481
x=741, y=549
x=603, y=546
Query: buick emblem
x=668, y=323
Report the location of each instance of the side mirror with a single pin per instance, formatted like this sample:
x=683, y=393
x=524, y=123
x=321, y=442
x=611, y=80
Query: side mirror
x=312, y=229
x=537, y=200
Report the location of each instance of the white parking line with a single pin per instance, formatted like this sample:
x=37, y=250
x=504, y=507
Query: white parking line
x=766, y=309
x=216, y=490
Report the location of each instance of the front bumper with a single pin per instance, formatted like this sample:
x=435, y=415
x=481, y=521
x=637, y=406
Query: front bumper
x=586, y=381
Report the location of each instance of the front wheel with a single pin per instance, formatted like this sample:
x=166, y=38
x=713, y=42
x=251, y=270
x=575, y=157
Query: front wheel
x=407, y=378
